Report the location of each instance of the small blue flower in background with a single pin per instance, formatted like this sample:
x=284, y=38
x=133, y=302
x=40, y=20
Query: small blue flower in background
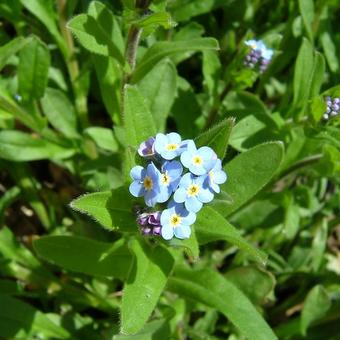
x=146, y=183
x=176, y=221
x=332, y=107
x=192, y=192
x=198, y=161
x=260, y=55
x=169, y=146
x=147, y=149
x=215, y=177
x=171, y=172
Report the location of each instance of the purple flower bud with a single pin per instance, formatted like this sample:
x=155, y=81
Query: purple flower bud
x=146, y=149
x=150, y=223
x=336, y=100
x=335, y=107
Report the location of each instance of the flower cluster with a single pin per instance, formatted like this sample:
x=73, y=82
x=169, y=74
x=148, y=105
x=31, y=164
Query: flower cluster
x=333, y=107
x=180, y=178
x=259, y=55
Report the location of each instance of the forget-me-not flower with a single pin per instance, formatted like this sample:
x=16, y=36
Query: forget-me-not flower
x=170, y=145
x=198, y=161
x=147, y=149
x=171, y=172
x=146, y=183
x=215, y=177
x=193, y=192
x=176, y=221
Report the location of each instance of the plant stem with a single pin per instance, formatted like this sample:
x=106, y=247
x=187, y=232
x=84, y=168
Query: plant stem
x=72, y=65
x=214, y=110
x=132, y=45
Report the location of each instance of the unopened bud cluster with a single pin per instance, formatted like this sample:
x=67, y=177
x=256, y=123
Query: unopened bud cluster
x=333, y=107
x=259, y=55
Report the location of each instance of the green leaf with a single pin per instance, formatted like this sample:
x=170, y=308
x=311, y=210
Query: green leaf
x=211, y=72
x=112, y=209
x=60, y=112
x=9, y=105
x=98, y=32
x=254, y=282
x=164, y=49
x=11, y=48
x=330, y=51
x=319, y=68
x=21, y=321
x=20, y=146
x=319, y=245
x=303, y=73
x=211, y=226
x=159, y=89
x=212, y=289
x=103, y=137
x=307, y=13
x=248, y=173
x=217, y=137
x=43, y=11
x=33, y=68
x=138, y=121
x=84, y=255
x=145, y=284
x=316, y=304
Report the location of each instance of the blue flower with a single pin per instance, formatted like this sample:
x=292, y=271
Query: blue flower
x=176, y=221
x=256, y=45
x=192, y=191
x=215, y=177
x=169, y=146
x=170, y=176
x=198, y=161
x=146, y=183
x=147, y=149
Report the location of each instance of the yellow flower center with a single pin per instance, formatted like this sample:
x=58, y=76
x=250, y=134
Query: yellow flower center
x=193, y=190
x=165, y=180
x=175, y=220
x=172, y=147
x=148, y=184
x=197, y=160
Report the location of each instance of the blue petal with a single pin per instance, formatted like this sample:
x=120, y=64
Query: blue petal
x=167, y=232
x=169, y=154
x=205, y=195
x=180, y=195
x=182, y=231
x=219, y=177
x=193, y=204
x=136, y=189
x=173, y=168
x=186, y=158
x=206, y=153
x=164, y=194
x=165, y=216
x=197, y=170
x=186, y=180
x=160, y=142
x=191, y=147
x=215, y=187
x=189, y=218
x=174, y=137
x=174, y=184
x=150, y=198
x=136, y=172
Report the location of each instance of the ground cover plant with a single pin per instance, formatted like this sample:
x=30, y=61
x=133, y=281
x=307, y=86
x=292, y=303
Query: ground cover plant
x=169, y=169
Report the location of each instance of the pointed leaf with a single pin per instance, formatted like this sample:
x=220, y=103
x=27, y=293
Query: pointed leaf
x=112, y=209
x=145, y=284
x=211, y=226
x=212, y=289
x=139, y=124
x=217, y=137
x=248, y=173
x=84, y=255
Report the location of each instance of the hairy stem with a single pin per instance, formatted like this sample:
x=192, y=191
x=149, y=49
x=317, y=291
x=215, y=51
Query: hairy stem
x=72, y=65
